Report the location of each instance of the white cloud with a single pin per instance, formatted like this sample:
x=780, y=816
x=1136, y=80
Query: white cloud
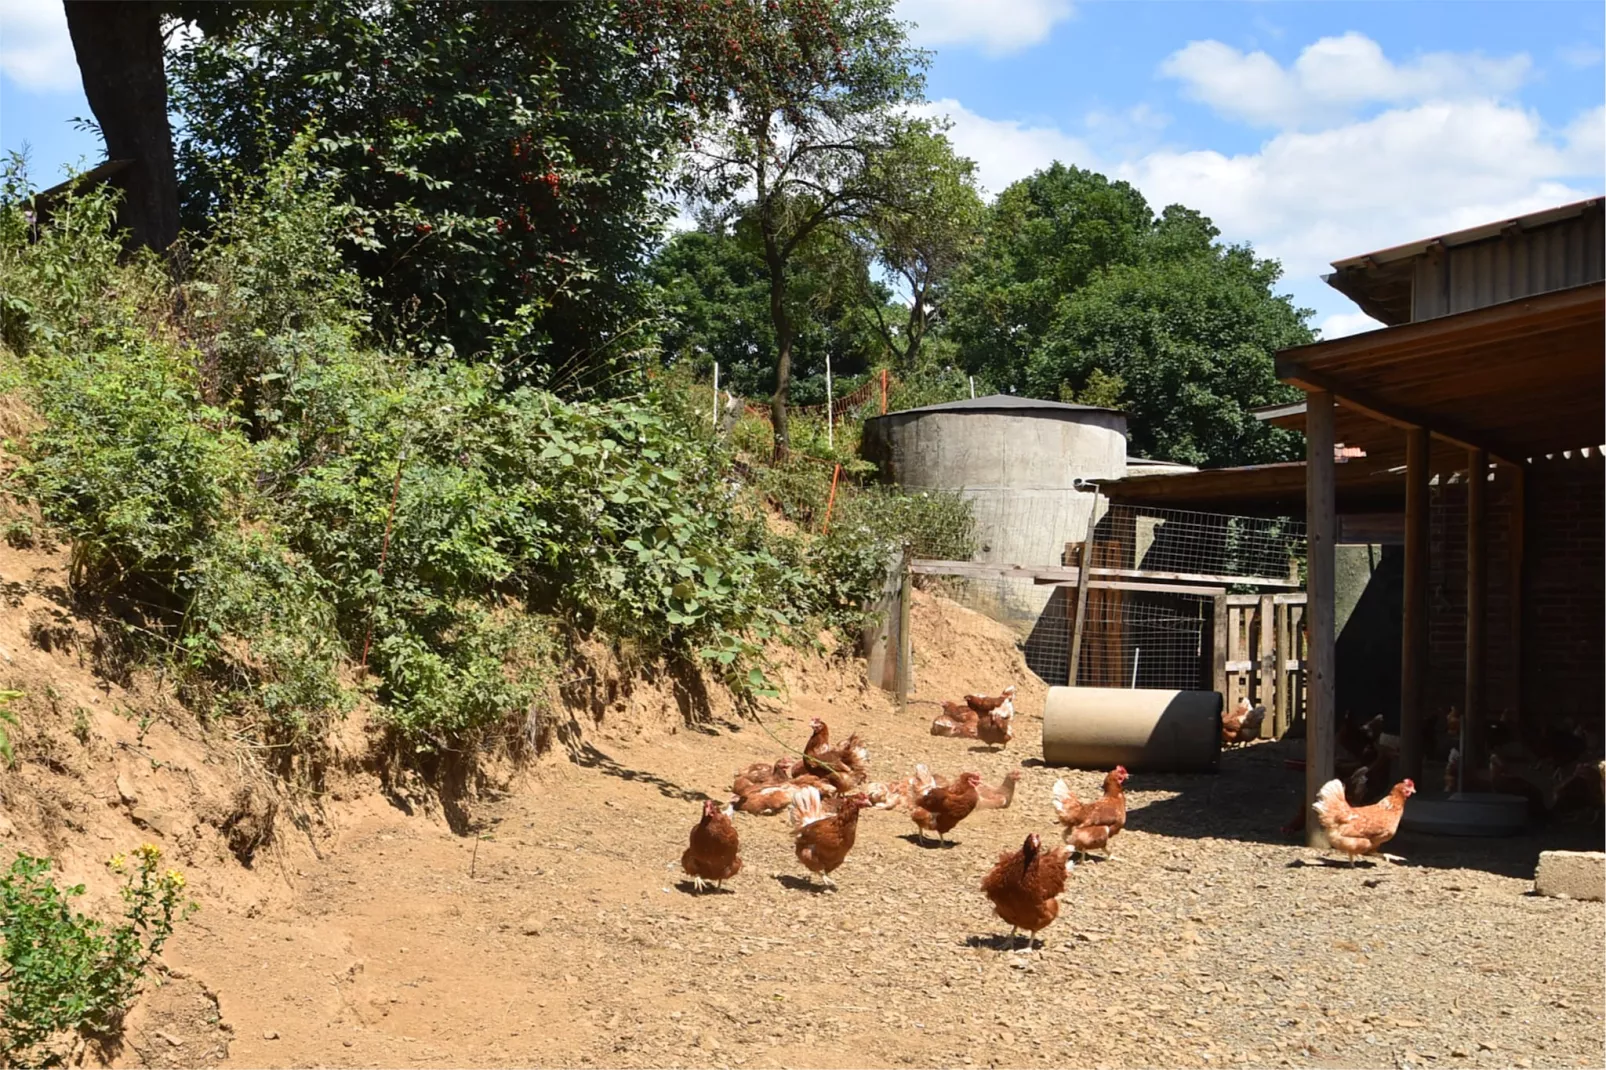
x=35, y=51
x=1582, y=55
x=1332, y=79
x=998, y=29
x=1006, y=150
x=1341, y=324
x=1310, y=198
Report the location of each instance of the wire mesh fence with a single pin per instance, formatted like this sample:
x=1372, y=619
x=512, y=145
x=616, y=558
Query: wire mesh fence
x=1147, y=638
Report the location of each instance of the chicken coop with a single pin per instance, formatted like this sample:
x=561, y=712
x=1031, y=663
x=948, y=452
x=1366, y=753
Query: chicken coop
x=1149, y=598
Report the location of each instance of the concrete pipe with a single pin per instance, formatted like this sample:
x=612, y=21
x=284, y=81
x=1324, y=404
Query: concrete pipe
x=1145, y=729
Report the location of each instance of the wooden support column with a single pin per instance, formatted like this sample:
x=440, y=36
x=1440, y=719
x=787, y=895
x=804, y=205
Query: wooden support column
x=1219, y=616
x=1414, y=623
x=1321, y=523
x=1279, y=712
x=1517, y=565
x=1474, y=717
x=905, y=638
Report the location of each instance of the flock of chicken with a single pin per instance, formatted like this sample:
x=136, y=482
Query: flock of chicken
x=824, y=790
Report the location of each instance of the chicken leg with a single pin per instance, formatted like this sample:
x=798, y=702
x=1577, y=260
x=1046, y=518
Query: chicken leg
x=698, y=883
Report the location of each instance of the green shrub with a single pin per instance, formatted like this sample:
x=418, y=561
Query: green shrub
x=67, y=973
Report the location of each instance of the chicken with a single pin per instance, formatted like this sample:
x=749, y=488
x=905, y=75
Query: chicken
x=994, y=729
x=941, y=808
x=1243, y=724
x=999, y=798
x=1024, y=886
x=1091, y=825
x=712, y=853
x=1580, y=792
x=773, y=798
x=991, y=703
x=822, y=839
x=849, y=761
x=1234, y=719
x=1360, y=830
x=759, y=775
x=976, y=715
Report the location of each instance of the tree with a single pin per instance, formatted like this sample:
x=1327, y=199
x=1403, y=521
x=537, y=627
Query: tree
x=713, y=283
x=815, y=89
x=120, y=47
x=924, y=235
x=1044, y=238
x=1081, y=293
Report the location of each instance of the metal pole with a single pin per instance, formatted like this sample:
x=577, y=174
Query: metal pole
x=973, y=386
x=830, y=414
x=716, y=394
x=905, y=640
x=1137, y=651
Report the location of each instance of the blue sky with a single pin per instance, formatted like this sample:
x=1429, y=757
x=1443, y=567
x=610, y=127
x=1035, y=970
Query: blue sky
x=1312, y=130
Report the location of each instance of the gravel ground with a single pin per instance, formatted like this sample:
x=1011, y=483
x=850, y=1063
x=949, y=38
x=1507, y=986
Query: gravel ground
x=1208, y=940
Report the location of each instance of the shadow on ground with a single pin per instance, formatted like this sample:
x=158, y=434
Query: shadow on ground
x=1255, y=794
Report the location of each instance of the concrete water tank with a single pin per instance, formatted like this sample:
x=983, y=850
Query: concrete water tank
x=1016, y=459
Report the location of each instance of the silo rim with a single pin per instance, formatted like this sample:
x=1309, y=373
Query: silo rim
x=1002, y=403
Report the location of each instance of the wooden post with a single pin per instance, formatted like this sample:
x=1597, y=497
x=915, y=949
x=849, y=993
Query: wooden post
x=1414, y=619
x=1083, y=574
x=1516, y=564
x=836, y=474
x=1218, y=648
x=905, y=640
x=1279, y=710
x=883, y=391
x=1320, y=529
x=1267, y=693
x=1474, y=715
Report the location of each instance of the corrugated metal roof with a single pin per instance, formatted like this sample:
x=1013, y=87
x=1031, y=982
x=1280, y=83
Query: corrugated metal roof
x=1004, y=403
x=1477, y=267
x=1470, y=234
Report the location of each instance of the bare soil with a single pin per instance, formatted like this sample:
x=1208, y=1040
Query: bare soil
x=559, y=931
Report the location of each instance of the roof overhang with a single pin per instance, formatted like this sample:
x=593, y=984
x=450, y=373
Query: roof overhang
x=1518, y=379
x=1262, y=489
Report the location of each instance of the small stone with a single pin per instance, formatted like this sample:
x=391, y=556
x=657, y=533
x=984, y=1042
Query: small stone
x=125, y=790
x=1484, y=1045
x=177, y=1042
x=530, y=926
x=348, y=1043
x=271, y=1034
x=1458, y=1053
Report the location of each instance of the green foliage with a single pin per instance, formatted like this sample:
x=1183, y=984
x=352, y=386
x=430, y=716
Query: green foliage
x=506, y=159
x=715, y=291
x=8, y=716
x=1079, y=291
x=67, y=973
x=265, y=498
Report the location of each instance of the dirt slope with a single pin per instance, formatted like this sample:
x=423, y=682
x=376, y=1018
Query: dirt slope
x=372, y=935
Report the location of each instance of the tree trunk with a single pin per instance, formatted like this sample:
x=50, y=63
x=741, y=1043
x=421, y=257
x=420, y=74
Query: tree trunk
x=783, y=355
x=119, y=48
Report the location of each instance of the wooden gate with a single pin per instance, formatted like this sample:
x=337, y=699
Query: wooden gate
x=1260, y=654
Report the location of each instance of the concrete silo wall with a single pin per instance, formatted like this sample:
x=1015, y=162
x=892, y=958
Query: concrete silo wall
x=1017, y=468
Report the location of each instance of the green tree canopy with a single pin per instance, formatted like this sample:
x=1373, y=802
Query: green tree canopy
x=715, y=292
x=1080, y=292
x=510, y=158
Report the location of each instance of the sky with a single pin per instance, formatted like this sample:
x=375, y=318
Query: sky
x=1312, y=131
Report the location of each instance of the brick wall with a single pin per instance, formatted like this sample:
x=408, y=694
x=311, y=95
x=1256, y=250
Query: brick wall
x=1563, y=601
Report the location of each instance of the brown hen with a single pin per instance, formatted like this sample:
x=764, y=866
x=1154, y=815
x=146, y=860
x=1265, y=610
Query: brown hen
x=1023, y=886
x=940, y=809
x=712, y=853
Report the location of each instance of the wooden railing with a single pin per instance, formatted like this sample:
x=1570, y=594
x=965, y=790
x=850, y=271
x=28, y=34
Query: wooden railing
x=1260, y=654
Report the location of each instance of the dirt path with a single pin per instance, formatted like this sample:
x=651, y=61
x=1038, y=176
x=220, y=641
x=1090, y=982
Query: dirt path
x=575, y=943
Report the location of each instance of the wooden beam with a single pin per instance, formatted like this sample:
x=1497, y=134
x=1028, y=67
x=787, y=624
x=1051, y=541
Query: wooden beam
x=1074, y=656
x=1279, y=711
x=1321, y=522
x=1400, y=416
x=1414, y=619
x=1061, y=574
x=1142, y=585
x=1474, y=716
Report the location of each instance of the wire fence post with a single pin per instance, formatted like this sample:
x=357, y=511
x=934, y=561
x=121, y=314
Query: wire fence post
x=883, y=391
x=830, y=501
x=1084, y=573
x=716, y=395
x=905, y=640
x=830, y=411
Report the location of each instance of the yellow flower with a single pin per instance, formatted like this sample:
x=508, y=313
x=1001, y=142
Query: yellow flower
x=175, y=878
x=149, y=852
x=116, y=863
